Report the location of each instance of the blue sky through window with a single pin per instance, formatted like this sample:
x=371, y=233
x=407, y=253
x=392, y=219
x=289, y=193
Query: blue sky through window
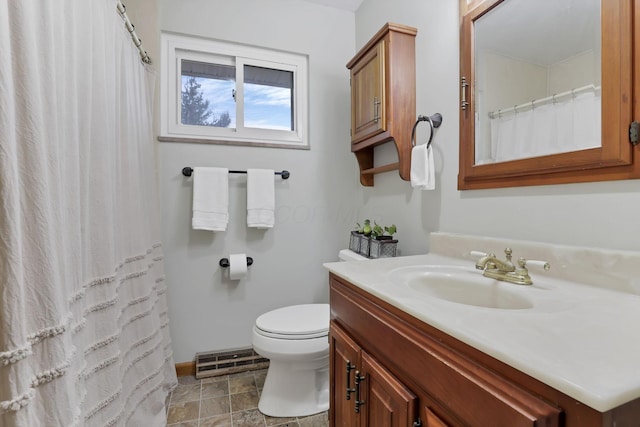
x=266, y=107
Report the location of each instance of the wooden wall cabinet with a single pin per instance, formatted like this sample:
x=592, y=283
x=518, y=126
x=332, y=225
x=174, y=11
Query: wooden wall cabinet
x=383, y=105
x=409, y=371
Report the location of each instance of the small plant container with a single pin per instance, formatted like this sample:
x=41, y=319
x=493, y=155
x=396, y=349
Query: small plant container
x=383, y=248
x=354, y=241
x=364, y=245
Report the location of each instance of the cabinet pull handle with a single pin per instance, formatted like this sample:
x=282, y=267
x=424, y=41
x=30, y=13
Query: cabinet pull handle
x=376, y=109
x=463, y=85
x=350, y=390
x=359, y=402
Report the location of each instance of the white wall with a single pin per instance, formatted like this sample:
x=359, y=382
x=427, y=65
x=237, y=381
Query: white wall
x=417, y=213
x=314, y=211
x=574, y=72
x=323, y=199
x=593, y=214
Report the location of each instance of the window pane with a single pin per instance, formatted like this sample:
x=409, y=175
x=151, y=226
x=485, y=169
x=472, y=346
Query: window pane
x=208, y=94
x=268, y=98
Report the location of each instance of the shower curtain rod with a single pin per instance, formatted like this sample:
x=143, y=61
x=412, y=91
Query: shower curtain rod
x=131, y=28
x=541, y=101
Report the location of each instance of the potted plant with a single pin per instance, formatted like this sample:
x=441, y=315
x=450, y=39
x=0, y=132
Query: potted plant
x=382, y=244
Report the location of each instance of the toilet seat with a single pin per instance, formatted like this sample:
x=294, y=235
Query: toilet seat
x=297, y=322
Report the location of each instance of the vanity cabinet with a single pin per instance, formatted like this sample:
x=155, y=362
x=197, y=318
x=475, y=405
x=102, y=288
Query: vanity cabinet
x=383, y=106
x=409, y=370
x=371, y=395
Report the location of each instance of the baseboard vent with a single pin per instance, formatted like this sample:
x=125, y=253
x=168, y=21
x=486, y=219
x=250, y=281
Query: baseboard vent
x=210, y=364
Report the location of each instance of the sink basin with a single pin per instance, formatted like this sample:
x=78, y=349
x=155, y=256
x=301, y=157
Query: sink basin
x=460, y=285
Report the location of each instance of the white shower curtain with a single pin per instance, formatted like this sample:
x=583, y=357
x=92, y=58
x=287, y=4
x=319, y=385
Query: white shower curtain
x=84, y=337
x=558, y=127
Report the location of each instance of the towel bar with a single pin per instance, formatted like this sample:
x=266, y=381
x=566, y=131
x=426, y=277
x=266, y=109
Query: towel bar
x=187, y=171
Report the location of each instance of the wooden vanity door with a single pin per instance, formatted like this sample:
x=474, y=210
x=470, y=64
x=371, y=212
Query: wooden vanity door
x=386, y=401
x=432, y=420
x=343, y=352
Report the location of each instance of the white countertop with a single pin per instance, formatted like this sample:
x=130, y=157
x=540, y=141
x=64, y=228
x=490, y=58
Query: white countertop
x=580, y=339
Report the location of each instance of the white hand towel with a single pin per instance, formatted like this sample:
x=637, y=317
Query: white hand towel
x=261, y=199
x=423, y=175
x=210, y=199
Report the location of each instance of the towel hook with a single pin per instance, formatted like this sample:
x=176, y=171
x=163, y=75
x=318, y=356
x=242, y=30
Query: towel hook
x=434, y=122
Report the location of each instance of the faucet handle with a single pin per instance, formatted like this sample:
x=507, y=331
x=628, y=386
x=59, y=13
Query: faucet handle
x=535, y=263
x=477, y=254
x=508, y=262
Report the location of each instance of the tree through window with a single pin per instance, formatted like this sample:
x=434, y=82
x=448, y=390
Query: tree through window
x=195, y=109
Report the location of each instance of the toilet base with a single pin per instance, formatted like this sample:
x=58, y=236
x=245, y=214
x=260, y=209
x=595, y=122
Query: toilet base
x=288, y=393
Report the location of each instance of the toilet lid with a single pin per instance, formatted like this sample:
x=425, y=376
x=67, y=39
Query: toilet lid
x=296, y=321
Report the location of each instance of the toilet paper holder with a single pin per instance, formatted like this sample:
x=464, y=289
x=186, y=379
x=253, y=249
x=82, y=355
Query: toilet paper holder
x=224, y=262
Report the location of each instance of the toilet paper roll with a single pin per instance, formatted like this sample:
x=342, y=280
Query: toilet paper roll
x=237, y=266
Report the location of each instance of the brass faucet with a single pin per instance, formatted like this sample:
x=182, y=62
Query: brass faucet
x=505, y=270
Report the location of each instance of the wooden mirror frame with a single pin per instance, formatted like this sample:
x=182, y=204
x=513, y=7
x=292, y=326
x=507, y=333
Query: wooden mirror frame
x=614, y=160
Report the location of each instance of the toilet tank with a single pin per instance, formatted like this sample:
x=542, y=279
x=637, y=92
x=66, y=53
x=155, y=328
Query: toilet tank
x=349, y=255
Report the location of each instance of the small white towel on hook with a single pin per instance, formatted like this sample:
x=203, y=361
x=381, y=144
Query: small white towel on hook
x=261, y=198
x=210, y=199
x=422, y=173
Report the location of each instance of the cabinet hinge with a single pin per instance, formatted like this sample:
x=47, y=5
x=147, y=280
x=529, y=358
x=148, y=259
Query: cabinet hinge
x=634, y=132
x=417, y=423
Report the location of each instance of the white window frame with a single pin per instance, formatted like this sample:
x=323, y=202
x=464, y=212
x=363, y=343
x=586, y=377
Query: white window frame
x=176, y=47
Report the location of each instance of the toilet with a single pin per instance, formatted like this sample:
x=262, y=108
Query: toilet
x=295, y=340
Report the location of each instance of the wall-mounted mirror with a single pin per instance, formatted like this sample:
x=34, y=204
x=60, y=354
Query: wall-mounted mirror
x=546, y=90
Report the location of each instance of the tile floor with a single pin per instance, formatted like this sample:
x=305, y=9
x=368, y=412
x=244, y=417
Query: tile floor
x=227, y=401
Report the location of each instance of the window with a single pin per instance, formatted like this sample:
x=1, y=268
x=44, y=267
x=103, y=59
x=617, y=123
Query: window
x=227, y=93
